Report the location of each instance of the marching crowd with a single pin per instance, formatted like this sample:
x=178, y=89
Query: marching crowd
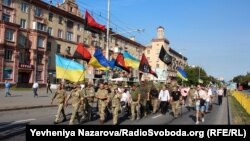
x=135, y=101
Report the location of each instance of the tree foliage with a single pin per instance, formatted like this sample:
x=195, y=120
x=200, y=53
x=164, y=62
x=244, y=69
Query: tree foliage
x=242, y=80
x=194, y=73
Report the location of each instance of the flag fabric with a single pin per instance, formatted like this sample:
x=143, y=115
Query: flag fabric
x=113, y=66
x=120, y=62
x=90, y=21
x=130, y=61
x=200, y=81
x=145, y=67
x=69, y=69
x=82, y=53
x=165, y=57
x=182, y=74
x=99, y=61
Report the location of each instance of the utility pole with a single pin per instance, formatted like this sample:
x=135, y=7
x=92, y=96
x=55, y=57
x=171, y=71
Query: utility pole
x=107, y=38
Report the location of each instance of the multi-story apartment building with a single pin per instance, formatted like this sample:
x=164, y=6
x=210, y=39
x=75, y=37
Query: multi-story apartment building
x=164, y=72
x=32, y=31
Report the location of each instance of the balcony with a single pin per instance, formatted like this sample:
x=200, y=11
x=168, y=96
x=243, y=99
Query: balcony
x=25, y=66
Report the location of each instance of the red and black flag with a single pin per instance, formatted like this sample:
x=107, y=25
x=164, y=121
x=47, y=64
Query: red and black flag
x=82, y=53
x=165, y=57
x=145, y=67
x=121, y=63
x=90, y=21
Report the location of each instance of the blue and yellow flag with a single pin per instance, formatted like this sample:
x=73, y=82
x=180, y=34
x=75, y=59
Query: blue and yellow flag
x=131, y=61
x=182, y=74
x=99, y=61
x=69, y=69
x=200, y=81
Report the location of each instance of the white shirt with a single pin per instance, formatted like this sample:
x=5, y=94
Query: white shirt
x=164, y=95
x=125, y=97
x=202, y=94
x=35, y=85
x=220, y=92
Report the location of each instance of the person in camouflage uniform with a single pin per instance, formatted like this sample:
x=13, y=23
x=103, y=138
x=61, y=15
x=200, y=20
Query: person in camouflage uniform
x=89, y=94
x=77, y=99
x=103, y=98
x=60, y=95
x=144, y=97
x=135, y=102
x=115, y=102
x=191, y=95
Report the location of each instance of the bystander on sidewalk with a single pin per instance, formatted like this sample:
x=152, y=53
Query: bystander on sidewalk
x=24, y=99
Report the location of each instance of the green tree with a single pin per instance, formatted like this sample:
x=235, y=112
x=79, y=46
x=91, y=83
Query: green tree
x=242, y=80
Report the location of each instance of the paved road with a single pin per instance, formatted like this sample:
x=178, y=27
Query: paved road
x=24, y=99
x=12, y=123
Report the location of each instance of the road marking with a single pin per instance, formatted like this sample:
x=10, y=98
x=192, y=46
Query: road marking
x=25, y=120
x=157, y=116
x=15, y=122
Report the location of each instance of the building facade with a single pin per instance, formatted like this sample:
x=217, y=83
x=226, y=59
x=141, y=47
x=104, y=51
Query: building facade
x=165, y=73
x=33, y=31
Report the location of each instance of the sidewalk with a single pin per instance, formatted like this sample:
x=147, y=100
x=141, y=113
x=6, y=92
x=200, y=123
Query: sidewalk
x=24, y=99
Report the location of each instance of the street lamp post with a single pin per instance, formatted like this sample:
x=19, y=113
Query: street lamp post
x=108, y=24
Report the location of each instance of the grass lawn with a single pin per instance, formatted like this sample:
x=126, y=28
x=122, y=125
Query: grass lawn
x=239, y=114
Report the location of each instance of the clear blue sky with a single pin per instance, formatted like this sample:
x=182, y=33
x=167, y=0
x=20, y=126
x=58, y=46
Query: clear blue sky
x=214, y=34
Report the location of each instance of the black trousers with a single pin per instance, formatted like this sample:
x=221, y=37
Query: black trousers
x=48, y=89
x=164, y=107
x=220, y=99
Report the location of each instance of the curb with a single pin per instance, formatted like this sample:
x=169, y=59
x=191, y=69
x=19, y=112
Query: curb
x=27, y=107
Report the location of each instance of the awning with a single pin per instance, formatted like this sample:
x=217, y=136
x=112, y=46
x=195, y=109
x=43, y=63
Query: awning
x=7, y=69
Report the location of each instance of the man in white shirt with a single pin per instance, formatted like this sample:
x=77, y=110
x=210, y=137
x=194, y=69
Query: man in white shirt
x=200, y=97
x=164, y=98
x=220, y=93
x=35, y=87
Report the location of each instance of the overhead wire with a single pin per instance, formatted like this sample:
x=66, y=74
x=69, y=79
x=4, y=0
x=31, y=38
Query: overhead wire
x=99, y=15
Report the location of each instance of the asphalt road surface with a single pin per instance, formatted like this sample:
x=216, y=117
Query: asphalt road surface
x=12, y=123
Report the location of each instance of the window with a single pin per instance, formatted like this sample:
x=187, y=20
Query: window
x=86, y=41
x=9, y=35
x=157, y=65
x=70, y=24
x=60, y=20
x=58, y=48
x=21, y=59
x=78, y=27
x=60, y=33
x=50, y=17
x=148, y=58
x=39, y=58
x=23, y=23
x=71, y=9
x=49, y=31
x=41, y=26
x=7, y=73
x=40, y=41
x=48, y=46
x=69, y=36
x=38, y=12
x=22, y=40
x=6, y=17
x=8, y=55
x=39, y=75
x=7, y=2
x=148, y=51
x=49, y=61
x=68, y=50
x=78, y=38
x=24, y=7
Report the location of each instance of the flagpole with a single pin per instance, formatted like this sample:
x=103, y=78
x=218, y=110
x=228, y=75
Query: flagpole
x=199, y=74
x=108, y=24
